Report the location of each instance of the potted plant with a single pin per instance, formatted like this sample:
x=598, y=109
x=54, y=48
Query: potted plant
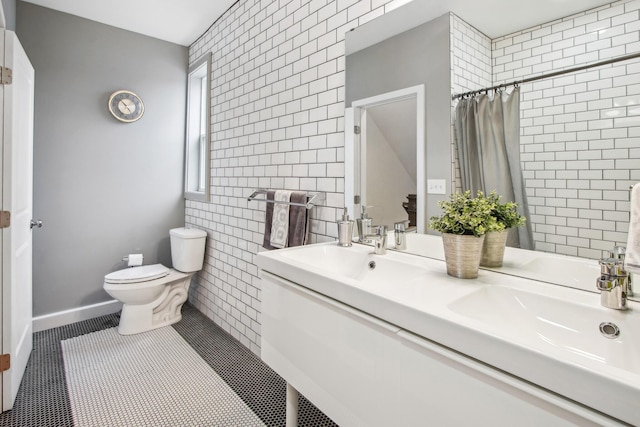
x=507, y=217
x=463, y=224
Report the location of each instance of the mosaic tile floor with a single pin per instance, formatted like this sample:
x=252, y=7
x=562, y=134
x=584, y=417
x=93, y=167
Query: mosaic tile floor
x=43, y=398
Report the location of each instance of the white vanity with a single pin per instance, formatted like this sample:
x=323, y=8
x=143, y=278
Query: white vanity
x=391, y=340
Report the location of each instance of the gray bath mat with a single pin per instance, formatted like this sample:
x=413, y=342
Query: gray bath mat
x=149, y=379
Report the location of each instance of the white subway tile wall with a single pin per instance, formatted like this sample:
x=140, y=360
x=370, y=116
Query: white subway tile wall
x=471, y=57
x=277, y=122
x=580, y=132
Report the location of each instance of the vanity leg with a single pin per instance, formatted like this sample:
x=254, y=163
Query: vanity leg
x=292, y=406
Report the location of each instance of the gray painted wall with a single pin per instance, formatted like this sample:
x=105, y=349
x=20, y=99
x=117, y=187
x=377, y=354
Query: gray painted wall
x=9, y=8
x=418, y=56
x=103, y=188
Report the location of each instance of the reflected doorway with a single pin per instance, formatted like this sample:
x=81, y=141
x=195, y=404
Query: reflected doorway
x=385, y=158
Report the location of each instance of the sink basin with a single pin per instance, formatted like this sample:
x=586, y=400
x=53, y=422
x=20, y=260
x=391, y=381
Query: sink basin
x=568, y=271
x=357, y=263
x=558, y=325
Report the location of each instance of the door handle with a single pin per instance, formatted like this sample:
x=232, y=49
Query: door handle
x=35, y=223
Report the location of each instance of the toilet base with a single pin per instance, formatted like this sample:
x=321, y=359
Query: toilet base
x=163, y=311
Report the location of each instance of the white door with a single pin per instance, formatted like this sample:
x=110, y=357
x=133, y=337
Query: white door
x=17, y=198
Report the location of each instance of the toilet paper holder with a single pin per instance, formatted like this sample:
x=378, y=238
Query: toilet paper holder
x=133, y=260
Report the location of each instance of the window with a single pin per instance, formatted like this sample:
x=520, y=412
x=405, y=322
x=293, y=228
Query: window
x=197, y=151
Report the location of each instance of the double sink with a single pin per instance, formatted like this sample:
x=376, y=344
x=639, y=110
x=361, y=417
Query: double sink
x=556, y=337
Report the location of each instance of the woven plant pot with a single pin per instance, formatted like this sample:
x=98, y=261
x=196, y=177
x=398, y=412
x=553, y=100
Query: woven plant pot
x=493, y=248
x=462, y=254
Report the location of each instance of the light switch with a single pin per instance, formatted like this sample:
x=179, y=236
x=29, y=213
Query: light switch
x=436, y=186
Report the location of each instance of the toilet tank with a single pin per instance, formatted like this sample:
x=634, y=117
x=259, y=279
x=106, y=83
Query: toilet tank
x=187, y=249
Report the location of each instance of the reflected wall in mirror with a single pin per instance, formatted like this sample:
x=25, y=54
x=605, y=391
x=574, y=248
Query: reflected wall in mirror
x=580, y=132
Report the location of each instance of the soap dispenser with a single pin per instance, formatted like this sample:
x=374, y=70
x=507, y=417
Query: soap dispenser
x=364, y=225
x=345, y=230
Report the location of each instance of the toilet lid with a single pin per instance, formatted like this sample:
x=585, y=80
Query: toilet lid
x=137, y=274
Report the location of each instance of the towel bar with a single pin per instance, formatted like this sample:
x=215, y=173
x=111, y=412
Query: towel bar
x=313, y=199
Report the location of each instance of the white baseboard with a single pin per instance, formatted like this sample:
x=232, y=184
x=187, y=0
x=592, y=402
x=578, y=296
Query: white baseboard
x=66, y=317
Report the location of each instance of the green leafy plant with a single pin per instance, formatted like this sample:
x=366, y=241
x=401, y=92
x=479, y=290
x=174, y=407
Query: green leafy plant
x=506, y=214
x=466, y=215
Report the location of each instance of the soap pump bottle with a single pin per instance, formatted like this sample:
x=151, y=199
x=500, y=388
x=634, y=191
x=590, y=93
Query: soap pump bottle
x=364, y=225
x=345, y=230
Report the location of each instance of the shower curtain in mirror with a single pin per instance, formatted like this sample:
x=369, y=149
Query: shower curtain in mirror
x=488, y=143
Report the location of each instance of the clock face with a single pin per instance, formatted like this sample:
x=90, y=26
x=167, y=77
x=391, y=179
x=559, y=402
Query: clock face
x=126, y=106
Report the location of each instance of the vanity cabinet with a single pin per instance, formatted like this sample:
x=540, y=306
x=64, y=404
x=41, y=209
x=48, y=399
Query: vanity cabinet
x=363, y=371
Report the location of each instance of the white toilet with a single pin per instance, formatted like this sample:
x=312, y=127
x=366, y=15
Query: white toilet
x=153, y=295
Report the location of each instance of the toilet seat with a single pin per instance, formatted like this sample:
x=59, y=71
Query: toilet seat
x=143, y=273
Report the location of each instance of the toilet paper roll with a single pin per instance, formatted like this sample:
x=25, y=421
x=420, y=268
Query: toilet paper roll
x=135, y=260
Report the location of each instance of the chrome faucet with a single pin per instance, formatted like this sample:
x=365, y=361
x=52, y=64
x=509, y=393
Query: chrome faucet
x=379, y=239
x=619, y=252
x=614, y=282
x=400, y=234
x=364, y=225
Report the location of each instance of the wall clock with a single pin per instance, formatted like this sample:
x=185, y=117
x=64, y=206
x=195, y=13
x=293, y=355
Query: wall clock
x=126, y=106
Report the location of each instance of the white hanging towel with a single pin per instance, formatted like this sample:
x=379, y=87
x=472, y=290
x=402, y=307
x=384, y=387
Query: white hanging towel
x=280, y=221
x=632, y=255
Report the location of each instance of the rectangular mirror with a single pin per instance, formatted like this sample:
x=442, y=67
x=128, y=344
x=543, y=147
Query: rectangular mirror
x=580, y=132
x=197, y=152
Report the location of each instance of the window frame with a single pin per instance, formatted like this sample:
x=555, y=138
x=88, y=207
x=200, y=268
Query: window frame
x=198, y=131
